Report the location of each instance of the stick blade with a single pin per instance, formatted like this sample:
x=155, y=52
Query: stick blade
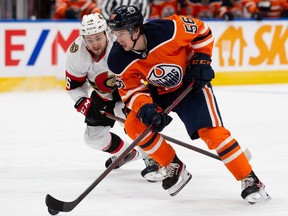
x=59, y=205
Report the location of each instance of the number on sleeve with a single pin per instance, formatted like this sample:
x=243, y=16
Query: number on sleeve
x=189, y=25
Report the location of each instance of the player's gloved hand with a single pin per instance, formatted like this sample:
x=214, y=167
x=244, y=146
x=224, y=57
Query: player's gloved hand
x=200, y=70
x=91, y=107
x=150, y=114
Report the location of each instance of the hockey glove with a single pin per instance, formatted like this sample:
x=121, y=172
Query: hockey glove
x=149, y=115
x=91, y=107
x=200, y=70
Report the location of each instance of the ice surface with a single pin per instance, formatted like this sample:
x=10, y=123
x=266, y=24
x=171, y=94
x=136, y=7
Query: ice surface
x=42, y=151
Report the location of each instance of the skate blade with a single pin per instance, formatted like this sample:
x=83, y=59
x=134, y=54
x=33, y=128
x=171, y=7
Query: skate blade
x=154, y=176
x=258, y=197
x=175, y=189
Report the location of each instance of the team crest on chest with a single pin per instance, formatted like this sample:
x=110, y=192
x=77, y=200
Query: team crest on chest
x=105, y=82
x=165, y=75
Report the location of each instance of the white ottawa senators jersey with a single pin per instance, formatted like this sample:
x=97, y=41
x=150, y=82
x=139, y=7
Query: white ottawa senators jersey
x=83, y=67
x=170, y=44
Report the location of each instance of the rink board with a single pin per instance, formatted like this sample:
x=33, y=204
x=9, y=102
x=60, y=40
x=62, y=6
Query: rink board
x=245, y=52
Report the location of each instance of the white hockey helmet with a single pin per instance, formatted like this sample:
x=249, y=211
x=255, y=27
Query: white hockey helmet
x=92, y=24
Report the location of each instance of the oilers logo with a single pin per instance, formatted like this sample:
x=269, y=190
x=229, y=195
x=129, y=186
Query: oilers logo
x=165, y=75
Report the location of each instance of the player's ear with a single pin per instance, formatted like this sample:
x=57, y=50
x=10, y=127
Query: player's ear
x=136, y=31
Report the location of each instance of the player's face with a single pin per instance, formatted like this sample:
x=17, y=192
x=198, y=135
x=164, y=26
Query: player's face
x=97, y=43
x=124, y=39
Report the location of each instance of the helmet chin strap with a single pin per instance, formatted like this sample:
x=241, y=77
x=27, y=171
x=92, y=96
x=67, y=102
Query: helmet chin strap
x=134, y=40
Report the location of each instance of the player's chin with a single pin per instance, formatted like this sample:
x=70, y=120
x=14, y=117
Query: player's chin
x=97, y=51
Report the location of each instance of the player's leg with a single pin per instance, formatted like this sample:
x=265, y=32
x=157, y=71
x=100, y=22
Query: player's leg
x=204, y=120
x=219, y=139
x=150, y=172
x=156, y=147
x=100, y=138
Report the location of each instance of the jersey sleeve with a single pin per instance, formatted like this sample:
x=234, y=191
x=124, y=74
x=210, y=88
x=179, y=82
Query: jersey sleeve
x=195, y=32
x=77, y=65
x=133, y=92
x=60, y=9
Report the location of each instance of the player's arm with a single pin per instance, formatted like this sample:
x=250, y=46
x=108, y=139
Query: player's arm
x=60, y=9
x=76, y=86
x=138, y=99
x=133, y=92
x=89, y=106
x=201, y=39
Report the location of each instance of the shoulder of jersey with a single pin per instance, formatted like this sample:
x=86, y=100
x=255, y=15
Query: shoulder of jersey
x=77, y=47
x=157, y=32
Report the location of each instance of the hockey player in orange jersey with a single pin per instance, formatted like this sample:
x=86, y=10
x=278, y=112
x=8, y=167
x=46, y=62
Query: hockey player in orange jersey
x=164, y=8
x=266, y=8
x=231, y=9
x=74, y=9
x=169, y=54
x=257, y=9
x=201, y=8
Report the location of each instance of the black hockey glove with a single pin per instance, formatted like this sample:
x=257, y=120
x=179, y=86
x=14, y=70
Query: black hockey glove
x=149, y=115
x=200, y=70
x=91, y=107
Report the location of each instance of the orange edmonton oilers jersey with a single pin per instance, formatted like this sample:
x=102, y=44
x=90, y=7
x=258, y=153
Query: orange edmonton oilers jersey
x=171, y=43
x=163, y=8
x=84, y=7
x=271, y=9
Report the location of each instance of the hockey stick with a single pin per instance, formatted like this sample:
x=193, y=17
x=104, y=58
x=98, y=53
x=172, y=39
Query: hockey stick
x=202, y=151
x=180, y=143
x=55, y=206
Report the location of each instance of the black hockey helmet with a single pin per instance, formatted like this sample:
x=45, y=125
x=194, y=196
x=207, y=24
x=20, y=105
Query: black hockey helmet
x=125, y=17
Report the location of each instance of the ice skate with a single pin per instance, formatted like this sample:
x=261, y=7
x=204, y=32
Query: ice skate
x=176, y=177
x=253, y=190
x=132, y=156
x=153, y=171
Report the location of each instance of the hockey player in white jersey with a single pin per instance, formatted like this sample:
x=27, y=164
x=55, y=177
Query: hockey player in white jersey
x=86, y=65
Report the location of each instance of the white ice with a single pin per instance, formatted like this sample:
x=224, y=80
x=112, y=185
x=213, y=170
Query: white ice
x=42, y=151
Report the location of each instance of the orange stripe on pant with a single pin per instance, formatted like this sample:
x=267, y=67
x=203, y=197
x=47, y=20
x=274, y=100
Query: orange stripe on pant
x=228, y=149
x=153, y=144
